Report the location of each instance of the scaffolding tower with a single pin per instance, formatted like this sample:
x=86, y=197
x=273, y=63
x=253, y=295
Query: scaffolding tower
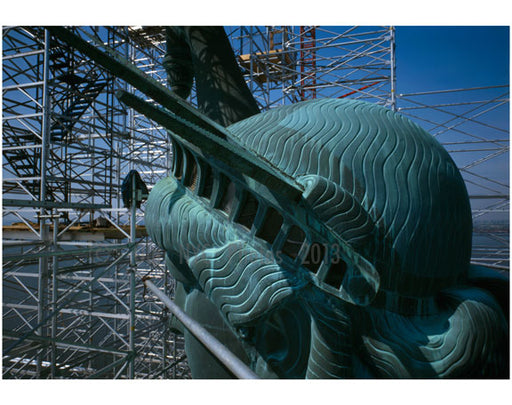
x=284, y=64
x=74, y=257
x=473, y=125
x=73, y=254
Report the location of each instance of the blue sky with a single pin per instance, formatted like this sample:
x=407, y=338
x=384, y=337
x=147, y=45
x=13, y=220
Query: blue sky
x=430, y=58
x=448, y=57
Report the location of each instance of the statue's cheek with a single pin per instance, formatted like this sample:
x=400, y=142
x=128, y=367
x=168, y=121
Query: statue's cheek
x=243, y=283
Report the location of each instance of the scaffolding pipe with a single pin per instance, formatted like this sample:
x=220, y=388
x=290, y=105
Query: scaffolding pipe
x=221, y=352
x=55, y=295
x=392, y=58
x=133, y=257
x=63, y=303
x=43, y=229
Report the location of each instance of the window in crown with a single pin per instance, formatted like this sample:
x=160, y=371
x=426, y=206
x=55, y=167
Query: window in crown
x=271, y=225
x=314, y=257
x=248, y=210
x=190, y=179
x=336, y=273
x=227, y=198
x=177, y=154
x=294, y=240
x=206, y=180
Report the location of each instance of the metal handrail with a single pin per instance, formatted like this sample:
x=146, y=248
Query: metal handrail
x=221, y=352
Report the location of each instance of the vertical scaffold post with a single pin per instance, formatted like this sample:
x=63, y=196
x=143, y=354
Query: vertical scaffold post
x=43, y=229
x=55, y=295
x=133, y=265
x=307, y=63
x=393, y=67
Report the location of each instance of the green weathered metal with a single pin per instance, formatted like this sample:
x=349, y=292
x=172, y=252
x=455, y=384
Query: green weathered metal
x=365, y=274
x=208, y=145
x=392, y=294
x=201, y=56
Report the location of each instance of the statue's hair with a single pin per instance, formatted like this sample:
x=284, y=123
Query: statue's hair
x=403, y=178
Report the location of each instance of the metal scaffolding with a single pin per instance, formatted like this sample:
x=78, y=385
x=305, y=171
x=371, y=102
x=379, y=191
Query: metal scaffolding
x=285, y=64
x=74, y=257
x=473, y=125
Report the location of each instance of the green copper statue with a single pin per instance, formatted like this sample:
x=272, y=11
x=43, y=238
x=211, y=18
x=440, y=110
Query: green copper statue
x=326, y=239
